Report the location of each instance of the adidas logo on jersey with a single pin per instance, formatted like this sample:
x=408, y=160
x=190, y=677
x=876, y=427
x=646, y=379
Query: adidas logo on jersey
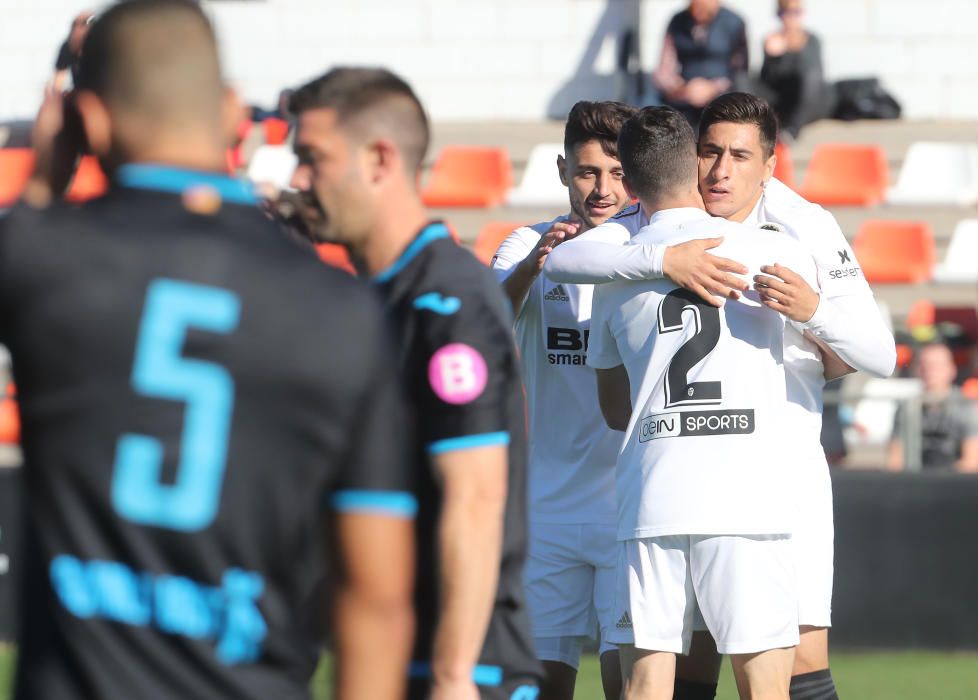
x=557, y=294
x=624, y=622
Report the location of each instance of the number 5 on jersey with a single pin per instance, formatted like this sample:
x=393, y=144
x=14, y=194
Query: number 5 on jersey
x=160, y=371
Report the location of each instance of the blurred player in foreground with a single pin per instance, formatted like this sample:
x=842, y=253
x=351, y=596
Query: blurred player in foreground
x=570, y=572
x=197, y=395
x=704, y=495
x=362, y=136
x=835, y=327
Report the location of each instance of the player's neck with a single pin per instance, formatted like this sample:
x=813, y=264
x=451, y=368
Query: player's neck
x=683, y=199
x=193, y=152
x=395, y=228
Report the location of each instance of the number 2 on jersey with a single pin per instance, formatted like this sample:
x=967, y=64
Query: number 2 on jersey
x=160, y=371
x=679, y=390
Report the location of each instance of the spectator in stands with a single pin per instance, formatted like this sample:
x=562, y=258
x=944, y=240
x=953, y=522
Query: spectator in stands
x=792, y=70
x=949, y=421
x=704, y=54
x=70, y=51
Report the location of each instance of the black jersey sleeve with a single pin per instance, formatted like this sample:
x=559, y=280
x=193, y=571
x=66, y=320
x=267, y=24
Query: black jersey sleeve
x=376, y=473
x=466, y=371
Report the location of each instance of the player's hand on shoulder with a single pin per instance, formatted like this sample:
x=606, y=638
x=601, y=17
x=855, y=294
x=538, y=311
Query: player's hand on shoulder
x=693, y=267
x=559, y=232
x=464, y=689
x=785, y=291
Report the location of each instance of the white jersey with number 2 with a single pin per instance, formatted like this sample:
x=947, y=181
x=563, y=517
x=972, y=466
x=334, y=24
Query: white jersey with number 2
x=706, y=449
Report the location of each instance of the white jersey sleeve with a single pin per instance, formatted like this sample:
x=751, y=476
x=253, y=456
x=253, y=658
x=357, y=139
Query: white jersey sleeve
x=600, y=255
x=847, y=318
x=514, y=249
x=602, y=349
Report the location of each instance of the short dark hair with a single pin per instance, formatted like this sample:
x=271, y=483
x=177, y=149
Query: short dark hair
x=356, y=93
x=744, y=108
x=596, y=121
x=156, y=56
x=658, y=152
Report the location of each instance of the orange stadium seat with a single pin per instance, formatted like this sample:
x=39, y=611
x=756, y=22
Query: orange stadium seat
x=469, y=176
x=276, y=131
x=922, y=313
x=896, y=252
x=9, y=417
x=904, y=355
x=491, y=235
x=970, y=388
x=846, y=174
x=335, y=256
x=89, y=181
x=784, y=170
x=16, y=166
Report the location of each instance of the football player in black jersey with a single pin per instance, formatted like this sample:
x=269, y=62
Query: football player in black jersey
x=197, y=395
x=362, y=136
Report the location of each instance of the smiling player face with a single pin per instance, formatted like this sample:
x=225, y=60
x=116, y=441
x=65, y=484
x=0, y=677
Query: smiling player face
x=595, y=183
x=733, y=168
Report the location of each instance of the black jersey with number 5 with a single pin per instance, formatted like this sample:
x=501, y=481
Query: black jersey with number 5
x=460, y=365
x=196, y=392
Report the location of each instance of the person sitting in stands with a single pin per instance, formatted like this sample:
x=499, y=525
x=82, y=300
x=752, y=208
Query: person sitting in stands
x=704, y=52
x=949, y=421
x=792, y=70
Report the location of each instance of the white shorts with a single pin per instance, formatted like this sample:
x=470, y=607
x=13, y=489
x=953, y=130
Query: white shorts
x=570, y=587
x=812, y=543
x=743, y=585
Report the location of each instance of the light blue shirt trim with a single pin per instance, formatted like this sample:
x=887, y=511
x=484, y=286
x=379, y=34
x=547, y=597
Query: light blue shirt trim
x=491, y=676
x=397, y=503
x=431, y=232
x=165, y=178
x=468, y=442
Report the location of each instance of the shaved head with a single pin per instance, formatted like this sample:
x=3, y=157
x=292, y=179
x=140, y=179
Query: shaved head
x=155, y=61
x=371, y=103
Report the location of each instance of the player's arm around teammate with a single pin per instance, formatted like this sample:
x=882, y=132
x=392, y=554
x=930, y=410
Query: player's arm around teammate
x=598, y=256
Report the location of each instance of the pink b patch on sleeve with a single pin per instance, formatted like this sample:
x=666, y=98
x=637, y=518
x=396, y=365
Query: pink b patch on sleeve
x=457, y=373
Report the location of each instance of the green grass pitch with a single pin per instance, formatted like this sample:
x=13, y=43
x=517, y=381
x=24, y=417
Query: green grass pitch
x=858, y=676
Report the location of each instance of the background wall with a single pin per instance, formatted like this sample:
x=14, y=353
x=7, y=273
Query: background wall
x=521, y=60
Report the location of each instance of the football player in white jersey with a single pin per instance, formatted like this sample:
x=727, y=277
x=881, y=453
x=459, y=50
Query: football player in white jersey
x=570, y=571
x=736, y=158
x=570, y=568
x=704, y=497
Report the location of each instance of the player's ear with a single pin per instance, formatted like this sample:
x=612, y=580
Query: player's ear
x=383, y=160
x=96, y=122
x=232, y=114
x=562, y=171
